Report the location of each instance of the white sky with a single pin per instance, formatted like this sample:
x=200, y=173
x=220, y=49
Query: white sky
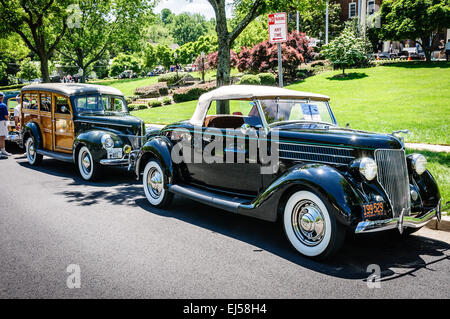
x=192, y=6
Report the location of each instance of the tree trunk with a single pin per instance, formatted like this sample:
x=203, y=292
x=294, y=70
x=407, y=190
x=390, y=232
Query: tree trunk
x=224, y=64
x=44, y=69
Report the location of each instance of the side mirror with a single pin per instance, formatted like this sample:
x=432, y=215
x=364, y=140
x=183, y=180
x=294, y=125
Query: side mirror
x=246, y=129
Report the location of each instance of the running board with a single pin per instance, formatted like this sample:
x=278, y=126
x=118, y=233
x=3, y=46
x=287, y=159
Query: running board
x=58, y=156
x=224, y=202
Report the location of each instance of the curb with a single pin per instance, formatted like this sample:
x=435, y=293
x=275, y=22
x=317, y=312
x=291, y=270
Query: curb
x=444, y=224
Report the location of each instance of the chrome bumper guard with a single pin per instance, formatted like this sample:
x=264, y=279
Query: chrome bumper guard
x=400, y=222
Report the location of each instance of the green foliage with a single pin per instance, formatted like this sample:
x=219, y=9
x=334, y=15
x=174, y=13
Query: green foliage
x=124, y=62
x=109, y=24
x=250, y=79
x=159, y=33
x=346, y=51
x=150, y=58
x=188, y=52
x=132, y=107
x=414, y=19
x=167, y=100
x=165, y=55
x=28, y=70
x=254, y=33
x=154, y=103
x=141, y=106
x=188, y=27
x=267, y=78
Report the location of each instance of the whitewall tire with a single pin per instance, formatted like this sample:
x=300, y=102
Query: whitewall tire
x=311, y=227
x=87, y=168
x=155, y=182
x=33, y=157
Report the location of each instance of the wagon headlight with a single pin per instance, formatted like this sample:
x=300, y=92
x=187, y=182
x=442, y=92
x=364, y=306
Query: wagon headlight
x=418, y=163
x=368, y=168
x=107, y=141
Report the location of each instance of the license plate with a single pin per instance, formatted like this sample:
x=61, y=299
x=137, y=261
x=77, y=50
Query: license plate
x=373, y=210
x=115, y=153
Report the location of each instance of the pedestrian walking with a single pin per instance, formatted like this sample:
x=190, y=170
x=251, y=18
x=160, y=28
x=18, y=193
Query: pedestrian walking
x=4, y=115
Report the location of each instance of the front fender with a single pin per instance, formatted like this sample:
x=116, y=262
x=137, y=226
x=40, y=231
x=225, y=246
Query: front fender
x=32, y=129
x=159, y=147
x=322, y=178
x=93, y=141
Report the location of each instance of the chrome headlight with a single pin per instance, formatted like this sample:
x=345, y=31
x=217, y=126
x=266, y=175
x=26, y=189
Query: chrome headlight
x=107, y=141
x=368, y=168
x=419, y=163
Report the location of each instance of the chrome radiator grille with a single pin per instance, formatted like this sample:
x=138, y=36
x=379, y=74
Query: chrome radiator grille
x=315, y=153
x=393, y=176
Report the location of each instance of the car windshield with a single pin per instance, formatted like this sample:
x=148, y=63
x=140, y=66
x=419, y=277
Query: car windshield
x=285, y=111
x=103, y=104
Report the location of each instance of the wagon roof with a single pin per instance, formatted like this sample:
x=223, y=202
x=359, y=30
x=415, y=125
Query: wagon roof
x=73, y=88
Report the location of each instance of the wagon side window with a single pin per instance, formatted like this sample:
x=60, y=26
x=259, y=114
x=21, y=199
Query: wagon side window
x=30, y=101
x=46, y=103
x=62, y=105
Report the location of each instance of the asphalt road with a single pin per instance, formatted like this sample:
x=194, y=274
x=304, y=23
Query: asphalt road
x=50, y=219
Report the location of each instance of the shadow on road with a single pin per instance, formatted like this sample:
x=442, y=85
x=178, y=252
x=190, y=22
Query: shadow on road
x=397, y=257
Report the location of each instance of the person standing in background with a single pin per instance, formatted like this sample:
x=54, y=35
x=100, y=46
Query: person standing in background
x=17, y=113
x=447, y=50
x=4, y=114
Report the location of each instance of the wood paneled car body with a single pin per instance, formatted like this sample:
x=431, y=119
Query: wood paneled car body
x=325, y=180
x=88, y=125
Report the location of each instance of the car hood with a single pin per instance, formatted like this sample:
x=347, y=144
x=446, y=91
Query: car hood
x=120, y=122
x=337, y=137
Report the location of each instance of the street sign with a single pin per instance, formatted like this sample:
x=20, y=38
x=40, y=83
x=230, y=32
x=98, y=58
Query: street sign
x=278, y=27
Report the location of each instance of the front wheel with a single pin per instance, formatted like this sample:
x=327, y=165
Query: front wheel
x=34, y=159
x=154, y=182
x=310, y=226
x=88, y=169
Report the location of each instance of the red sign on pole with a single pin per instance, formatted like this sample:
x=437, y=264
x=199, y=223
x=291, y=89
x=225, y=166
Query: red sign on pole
x=278, y=27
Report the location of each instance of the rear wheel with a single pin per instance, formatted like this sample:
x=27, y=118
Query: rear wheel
x=310, y=226
x=88, y=169
x=154, y=182
x=33, y=157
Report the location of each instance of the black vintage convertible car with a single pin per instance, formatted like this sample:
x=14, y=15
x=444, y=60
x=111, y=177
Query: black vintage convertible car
x=88, y=125
x=274, y=153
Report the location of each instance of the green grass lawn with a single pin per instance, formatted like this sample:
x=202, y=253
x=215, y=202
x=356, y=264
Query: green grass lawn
x=391, y=97
x=127, y=86
x=381, y=99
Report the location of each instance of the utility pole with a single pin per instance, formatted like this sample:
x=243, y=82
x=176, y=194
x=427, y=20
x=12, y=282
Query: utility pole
x=298, y=20
x=363, y=17
x=326, y=24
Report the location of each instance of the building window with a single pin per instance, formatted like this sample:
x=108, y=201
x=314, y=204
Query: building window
x=352, y=10
x=370, y=7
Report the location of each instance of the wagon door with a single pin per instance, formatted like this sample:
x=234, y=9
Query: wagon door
x=63, y=128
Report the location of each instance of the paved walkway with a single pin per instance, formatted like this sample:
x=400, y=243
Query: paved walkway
x=416, y=146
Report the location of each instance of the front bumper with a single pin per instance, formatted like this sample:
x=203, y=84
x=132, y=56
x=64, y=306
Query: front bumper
x=399, y=222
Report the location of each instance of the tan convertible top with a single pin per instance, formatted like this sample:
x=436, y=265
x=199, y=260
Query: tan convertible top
x=243, y=92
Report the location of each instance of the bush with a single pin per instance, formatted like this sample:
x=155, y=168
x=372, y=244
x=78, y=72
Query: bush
x=167, y=100
x=250, y=79
x=132, y=107
x=154, y=103
x=267, y=79
x=171, y=78
x=154, y=90
x=191, y=93
x=141, y=106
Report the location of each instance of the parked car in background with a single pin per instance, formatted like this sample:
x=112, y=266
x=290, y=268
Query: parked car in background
x=322, y=181
x=127, y=74
x=11, y=102
x=88, y=125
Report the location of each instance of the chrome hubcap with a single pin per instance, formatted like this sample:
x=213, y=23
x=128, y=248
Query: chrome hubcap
x=86, y=163
x=155, y=183
x=308, y=223
x=31, y=150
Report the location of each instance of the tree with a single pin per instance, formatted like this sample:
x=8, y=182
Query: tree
x=12, y=49
x=29, y=70
x=347, y=50
x=165, y=55
x=188, y=27
x=158, y=33
x=124, y=62
x=99, y=27
x=150, y=57
x=414, y=19
x=40, y=23
x=254, y=33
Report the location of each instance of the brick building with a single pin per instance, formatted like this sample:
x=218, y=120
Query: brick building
x=352, y=8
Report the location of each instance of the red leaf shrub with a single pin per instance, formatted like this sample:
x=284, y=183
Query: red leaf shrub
x=212, y=60
x=263, y=57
